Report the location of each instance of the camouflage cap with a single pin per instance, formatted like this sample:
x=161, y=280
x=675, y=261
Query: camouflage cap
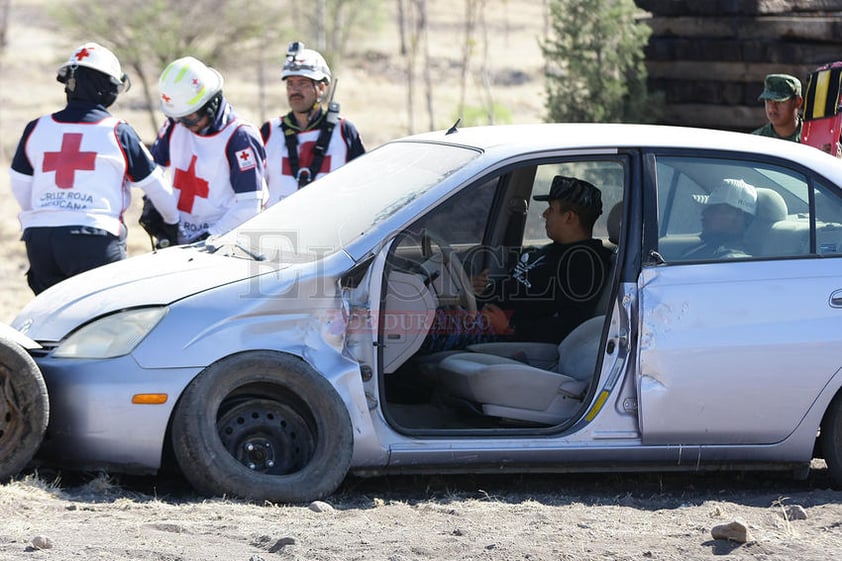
x=780, y=87
x=576, y=191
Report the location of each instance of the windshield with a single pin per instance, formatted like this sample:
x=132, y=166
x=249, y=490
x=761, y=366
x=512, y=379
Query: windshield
x=346, y=204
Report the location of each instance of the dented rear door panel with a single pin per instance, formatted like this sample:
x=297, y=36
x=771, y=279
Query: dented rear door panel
x=734, y=353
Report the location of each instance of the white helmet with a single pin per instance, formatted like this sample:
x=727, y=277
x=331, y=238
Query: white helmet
x=95, y=56
x=305, y=62
x=186, y=85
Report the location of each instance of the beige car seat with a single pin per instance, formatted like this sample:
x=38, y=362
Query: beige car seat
x=510, y=388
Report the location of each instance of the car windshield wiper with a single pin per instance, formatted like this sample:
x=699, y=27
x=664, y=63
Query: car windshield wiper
x=212, y=247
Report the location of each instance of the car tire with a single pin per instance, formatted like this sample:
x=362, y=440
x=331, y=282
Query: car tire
x=831, y=440
x=262, y=425
x=24, y=408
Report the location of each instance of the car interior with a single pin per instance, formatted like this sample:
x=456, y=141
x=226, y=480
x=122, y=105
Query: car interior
x=497, y=386
x=500, y=386
x=781, y=226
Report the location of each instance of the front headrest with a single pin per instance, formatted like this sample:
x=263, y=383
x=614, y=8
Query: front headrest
x=614, y=223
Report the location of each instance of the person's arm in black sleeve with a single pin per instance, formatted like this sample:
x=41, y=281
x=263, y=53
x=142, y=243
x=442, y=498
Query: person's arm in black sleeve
x=352, y=140
x=21, y=171
x=266, y=131
x=161, y=147
x=247, y=159
x=160, y=213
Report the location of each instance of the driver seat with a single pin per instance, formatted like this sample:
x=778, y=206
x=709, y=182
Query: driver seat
x=507, y=387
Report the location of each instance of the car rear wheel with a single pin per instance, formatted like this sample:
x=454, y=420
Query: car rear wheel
x=262, y=425
x=831, y=440
x=24, y=408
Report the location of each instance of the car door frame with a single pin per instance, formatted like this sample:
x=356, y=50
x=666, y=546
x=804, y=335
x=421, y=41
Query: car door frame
x=673, y=407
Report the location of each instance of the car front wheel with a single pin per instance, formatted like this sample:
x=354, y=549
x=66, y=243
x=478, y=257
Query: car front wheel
x=24, y=408
x=262, y=425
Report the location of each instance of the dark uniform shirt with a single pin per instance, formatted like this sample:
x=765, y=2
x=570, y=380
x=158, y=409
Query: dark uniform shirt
x=553, y=289
x=769, y=130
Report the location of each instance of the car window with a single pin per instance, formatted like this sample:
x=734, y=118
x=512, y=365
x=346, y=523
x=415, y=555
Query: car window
x=777, y=225
x=463, y=218
x=460, y=223
x=828, y=206
x=607, y=175
x=488, y=223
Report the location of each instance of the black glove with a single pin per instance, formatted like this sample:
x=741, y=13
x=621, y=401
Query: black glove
x=163, y=234
x=167, y=236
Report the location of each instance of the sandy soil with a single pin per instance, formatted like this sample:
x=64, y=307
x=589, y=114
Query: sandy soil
x=666, y=517
x=67, y=516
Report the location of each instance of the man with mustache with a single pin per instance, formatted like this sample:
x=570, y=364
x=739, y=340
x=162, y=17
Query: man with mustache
x=311, y=140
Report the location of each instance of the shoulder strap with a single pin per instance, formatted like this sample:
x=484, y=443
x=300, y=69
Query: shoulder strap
x=306, y=175
x=320, y=149
x=291, y=140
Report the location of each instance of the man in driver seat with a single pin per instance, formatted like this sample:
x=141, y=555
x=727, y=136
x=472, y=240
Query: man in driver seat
x=551, y=289
x=554, y=288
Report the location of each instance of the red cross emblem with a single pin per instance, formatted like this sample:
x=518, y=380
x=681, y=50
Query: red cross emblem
x=305, y=158
x=190, y=186
x=70, y=159
x=166, y=98
x=82, y=53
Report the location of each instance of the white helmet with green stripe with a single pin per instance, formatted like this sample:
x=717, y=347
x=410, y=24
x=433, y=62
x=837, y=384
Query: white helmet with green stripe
x=186, y=85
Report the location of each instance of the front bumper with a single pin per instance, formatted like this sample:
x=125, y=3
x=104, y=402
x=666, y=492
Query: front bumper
x=93, y=422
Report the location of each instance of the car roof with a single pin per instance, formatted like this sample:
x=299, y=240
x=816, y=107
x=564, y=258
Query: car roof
x=543, y=136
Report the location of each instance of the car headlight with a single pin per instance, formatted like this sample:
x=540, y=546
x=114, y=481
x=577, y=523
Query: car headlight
x=110, y=336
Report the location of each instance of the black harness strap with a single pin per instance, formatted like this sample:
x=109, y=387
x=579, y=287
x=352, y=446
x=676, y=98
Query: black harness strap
x=306, y=175
x=821, y=98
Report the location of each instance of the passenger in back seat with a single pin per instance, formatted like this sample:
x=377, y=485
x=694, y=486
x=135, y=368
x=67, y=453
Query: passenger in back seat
x=728, y=211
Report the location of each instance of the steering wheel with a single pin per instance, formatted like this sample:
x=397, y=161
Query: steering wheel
x=453, y=272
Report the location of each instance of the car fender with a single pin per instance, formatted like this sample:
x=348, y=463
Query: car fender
x=13, y=334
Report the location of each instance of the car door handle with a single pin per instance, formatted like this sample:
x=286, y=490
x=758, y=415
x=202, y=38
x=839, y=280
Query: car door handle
x=836, y=299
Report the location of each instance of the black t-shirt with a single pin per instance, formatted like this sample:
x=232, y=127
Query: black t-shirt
x=553, y=289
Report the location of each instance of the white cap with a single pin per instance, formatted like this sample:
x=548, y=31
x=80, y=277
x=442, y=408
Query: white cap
x=736, y=193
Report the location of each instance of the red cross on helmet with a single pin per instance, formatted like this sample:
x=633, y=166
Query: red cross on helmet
x=95, y=56
x=305, y=62
x=186, y=85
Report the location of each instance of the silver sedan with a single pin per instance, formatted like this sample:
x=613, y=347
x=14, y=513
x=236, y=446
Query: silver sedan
x=272, y=361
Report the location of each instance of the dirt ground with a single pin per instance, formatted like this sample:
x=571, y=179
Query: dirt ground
x=669, y=517
x=666, y=517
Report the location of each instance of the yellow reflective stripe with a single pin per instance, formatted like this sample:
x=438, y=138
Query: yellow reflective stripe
x=597, y=406
x=181, y=72
x=195, y=99
x=820, y=101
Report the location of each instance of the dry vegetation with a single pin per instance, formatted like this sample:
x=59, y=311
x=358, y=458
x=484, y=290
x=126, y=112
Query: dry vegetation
x=601, y=517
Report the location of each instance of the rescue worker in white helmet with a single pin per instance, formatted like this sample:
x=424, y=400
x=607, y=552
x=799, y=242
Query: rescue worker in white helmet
x=73, y=171
x=312, y=139
x=215, y=158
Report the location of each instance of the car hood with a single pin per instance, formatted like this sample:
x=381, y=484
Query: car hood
x=158, y=278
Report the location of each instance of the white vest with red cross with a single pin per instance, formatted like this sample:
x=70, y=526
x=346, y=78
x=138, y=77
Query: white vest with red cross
x=79, y=175
x=279, y=175
x=201, y=177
